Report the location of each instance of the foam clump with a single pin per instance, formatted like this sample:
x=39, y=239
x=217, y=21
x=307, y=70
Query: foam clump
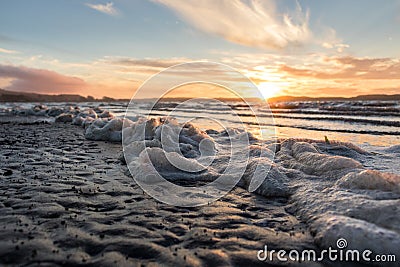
x=99, y=124
x=184, y=139
x=87, y=117
x=371, y=180
x=275, y=183
x=337, y=196
x=43, y=110
x=359, y=234
x=183, y=152
x=105, y=130
x=65, y=117
x=106, y=114
x=306, y=158
x=328, y=145
x=163, y=160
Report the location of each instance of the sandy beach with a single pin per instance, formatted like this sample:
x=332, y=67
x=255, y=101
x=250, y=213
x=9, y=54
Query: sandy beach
x=68, y=201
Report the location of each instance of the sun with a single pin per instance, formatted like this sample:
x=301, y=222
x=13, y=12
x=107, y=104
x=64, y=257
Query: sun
x=269, y=89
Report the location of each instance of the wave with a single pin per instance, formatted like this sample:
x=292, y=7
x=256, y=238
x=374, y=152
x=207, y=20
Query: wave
x=334, y=117
x=313, y=128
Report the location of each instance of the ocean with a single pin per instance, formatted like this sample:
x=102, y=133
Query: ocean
x=365, y=123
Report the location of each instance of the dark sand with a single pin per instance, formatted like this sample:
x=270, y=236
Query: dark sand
x=68, y=201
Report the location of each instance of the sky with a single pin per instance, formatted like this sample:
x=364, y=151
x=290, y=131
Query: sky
x=110, y=48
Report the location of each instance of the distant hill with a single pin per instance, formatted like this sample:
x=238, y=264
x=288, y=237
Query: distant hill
x=10, y=96
x=395, y=97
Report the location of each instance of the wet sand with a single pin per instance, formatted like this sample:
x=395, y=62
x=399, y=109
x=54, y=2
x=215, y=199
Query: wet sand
x=65, y=200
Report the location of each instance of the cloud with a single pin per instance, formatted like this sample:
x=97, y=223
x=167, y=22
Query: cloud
x=350, y=68
x=40, y=80
x=254, y=23
x=6, y=51
x=106, y=8
x=154, y=65
x=146, y=66
x=312, y=74
x=146, y=62
x=339, y=47
x=328, y=39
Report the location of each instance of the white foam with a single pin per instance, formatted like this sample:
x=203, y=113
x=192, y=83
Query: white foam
x=360, y=235
x=306, y=158
x=275, y=182
x=105, y=130
x=371, y=180
x=162, y=160
x=65, y=117
x=186, y=140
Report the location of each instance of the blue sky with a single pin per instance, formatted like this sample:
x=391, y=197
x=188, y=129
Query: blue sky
x=88, y=39
x=72, y=30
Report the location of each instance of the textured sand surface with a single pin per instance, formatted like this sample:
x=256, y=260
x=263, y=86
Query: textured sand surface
x=67, y=201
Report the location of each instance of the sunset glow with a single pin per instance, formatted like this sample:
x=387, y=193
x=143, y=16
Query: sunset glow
x=269, y=89
x=309, y=50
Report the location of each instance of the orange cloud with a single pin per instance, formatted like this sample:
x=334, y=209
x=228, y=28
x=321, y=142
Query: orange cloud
x=351, y=68
x=40, y=80
x=146, y=66
x=251, y=23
